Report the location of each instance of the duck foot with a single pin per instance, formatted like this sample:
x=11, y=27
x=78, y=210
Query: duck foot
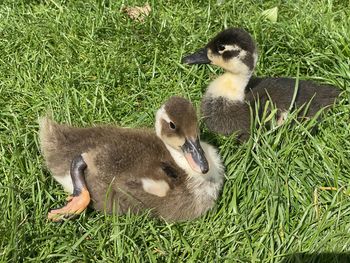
x=80, y=199
x=75, y=206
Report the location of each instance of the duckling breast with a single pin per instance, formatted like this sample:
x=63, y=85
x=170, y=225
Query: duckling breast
x=224, y=116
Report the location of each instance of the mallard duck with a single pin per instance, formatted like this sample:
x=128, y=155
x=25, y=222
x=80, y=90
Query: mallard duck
x=170, y=171
x=226, y=104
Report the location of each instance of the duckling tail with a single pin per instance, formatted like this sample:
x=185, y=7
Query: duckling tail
x=55, y=145
x=47, y=134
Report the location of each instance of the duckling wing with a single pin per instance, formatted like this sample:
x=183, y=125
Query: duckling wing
x=253, y=83
x=131, y=171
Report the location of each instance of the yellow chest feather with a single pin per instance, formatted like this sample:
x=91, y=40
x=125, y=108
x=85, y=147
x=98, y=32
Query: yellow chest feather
x=229, y=86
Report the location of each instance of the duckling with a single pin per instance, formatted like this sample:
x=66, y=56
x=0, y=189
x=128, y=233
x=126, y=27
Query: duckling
x=225, y=105
x=170, y=171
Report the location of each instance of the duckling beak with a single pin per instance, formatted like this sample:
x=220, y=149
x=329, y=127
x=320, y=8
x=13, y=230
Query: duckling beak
x=199, y=57
x=195, y=156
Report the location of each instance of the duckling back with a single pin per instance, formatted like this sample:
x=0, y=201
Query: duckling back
x=61, y=143
x=281, y=90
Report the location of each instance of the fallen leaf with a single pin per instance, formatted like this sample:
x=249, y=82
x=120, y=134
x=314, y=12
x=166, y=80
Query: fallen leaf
x=271, y=14
x=138, y=12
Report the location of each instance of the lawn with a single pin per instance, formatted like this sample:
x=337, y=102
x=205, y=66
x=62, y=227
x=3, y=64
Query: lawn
x=88, y=63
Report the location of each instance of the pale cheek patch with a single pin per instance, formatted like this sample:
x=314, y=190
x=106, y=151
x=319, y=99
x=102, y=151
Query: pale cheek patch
x=210, y=55
x=236, y=66
x=155, y=187
x=174, y=142
x=215, y=60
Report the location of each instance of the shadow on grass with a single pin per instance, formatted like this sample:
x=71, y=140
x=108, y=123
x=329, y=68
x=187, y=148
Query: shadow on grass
x=317, y=258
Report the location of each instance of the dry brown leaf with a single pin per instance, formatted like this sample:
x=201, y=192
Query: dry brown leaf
x=138, y=12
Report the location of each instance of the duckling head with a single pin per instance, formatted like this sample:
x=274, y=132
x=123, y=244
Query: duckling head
x=176, y=126
x=232, y=49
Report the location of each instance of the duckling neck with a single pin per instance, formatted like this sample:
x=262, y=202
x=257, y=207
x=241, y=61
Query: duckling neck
x=229, y=85
x=204, y=188
x=215, y=173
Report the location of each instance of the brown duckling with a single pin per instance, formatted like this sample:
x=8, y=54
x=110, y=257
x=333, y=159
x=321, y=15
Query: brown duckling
x=225, y=105
x=171, y=172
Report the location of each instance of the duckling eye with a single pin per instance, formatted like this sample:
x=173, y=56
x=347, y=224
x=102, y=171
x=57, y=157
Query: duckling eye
x=221, y=47
x=172, y=125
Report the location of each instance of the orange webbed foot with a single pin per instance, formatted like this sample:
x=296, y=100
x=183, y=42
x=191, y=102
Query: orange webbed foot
x=75, y=206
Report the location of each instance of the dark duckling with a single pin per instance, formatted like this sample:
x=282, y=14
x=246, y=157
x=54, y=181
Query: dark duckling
x=226, y=104
x=171, y=172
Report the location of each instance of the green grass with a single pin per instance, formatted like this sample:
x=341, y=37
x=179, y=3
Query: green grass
x=89, y=64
